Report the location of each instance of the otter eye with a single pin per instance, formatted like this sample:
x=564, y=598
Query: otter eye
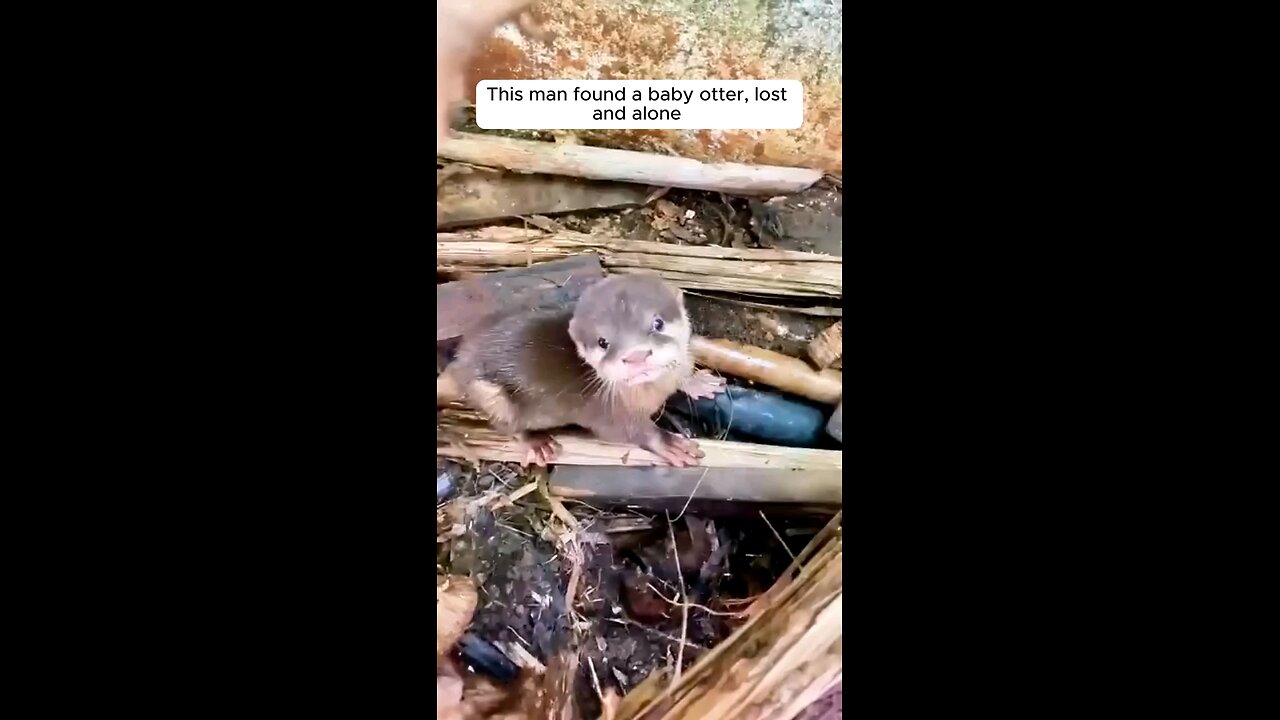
x=658, y=324
x=604, y=344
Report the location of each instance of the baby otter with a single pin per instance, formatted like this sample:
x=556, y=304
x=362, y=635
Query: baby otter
x=607, y=365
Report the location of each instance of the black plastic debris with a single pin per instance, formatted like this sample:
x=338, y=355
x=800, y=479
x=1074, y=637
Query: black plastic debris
x=444, y=485
x=483, y=657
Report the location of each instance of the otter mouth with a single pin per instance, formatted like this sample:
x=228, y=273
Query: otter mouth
x=647, y=375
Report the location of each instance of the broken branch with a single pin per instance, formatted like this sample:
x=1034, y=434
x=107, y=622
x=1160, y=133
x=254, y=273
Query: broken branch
x=625, y=165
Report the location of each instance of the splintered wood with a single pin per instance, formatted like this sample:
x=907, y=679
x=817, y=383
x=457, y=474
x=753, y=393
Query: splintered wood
x=828, y=346
x=787, y=656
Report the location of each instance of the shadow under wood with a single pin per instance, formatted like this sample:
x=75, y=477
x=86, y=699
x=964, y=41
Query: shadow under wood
x=485, y=197
x=717, y=492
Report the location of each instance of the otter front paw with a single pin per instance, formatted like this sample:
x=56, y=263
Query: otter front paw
x=540, y=448
x=702, y=384
x=675, y=450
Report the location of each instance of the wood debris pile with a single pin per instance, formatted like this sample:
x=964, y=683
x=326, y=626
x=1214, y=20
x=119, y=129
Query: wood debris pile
x=613, y=587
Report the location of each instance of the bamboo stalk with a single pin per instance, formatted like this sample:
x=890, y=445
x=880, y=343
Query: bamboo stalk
x=690, y=281
x=657, y=489
x=625, y=165
x=774, y=272
x=463, y=433
x=771, y=368
x=464, y=247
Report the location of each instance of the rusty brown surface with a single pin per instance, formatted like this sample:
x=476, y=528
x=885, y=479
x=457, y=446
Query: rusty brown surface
x=689, y=40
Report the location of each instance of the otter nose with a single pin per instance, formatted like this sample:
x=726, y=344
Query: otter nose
x=638, y=356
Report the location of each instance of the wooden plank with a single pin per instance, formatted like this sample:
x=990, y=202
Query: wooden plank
x=463, y=305
x=463, y=433
x=772, y=272
x=507, y=243
x=704, y=488
x=474, y=198
x=624, y=165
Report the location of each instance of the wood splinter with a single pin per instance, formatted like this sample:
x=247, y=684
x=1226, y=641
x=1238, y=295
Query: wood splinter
x=828, y=347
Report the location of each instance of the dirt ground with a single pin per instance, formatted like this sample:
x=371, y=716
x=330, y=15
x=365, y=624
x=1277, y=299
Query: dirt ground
x=628, y=580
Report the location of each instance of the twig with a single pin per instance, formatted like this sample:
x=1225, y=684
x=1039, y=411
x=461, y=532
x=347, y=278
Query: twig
x=572, y=549
x=518, y=532
x=704, y=608
x=498, y=477
x=523, y=657
x=655, y=633
x=595, y=680
x=684, y=601
x=657, y=194
x=513, y=632
x=582, y=502
x=528, y=488
x=775, y=534
x=691, y=494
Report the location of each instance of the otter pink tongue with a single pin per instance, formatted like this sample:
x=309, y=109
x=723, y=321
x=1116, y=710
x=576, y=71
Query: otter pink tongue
x=639, y=371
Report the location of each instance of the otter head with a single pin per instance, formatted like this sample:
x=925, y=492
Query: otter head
x=632, y=329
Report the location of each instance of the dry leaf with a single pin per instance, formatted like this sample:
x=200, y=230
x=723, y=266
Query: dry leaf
x=455, y=604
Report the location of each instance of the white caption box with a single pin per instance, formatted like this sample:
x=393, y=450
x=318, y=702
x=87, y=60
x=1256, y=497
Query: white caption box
x=642, y=104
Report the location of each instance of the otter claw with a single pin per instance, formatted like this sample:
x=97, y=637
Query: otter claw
x=676, y=450
x=540, y=449
x=703, y=384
